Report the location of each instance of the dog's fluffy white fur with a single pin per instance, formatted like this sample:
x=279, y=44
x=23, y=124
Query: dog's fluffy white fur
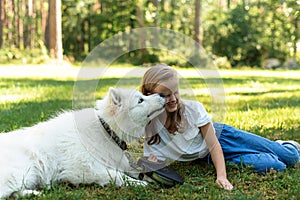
x=74, y=147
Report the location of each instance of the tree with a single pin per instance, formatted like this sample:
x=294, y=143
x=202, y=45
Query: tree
x=43, y=15
x=55, y=30
x=29, y=36
x=9, y=22
x=197, y=25
x=20, y=24
x=1, y=22
x=244, y=31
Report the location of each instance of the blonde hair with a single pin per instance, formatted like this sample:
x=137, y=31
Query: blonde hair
x=159, y=75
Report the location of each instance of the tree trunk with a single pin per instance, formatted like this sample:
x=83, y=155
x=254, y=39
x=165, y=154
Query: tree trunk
x=33, y=24
x=222, y=4
x=197, y=24
x=141, y=24
x=14, y=29
x=43, y=20
x=55, y=32
x=296, y=35
x=156, y=19
x=9, y=25
x=172, y=14
x=166, y=6
x=1, y=22
x=20, y=27
x=156, y=3
x=28, y=26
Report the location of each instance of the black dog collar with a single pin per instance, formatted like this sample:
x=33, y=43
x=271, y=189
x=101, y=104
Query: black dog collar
x=121, y=143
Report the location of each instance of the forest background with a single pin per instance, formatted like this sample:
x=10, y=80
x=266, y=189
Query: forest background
x=260, y=33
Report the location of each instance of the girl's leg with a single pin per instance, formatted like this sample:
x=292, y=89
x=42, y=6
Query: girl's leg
x=261, y=162
x=237, y=143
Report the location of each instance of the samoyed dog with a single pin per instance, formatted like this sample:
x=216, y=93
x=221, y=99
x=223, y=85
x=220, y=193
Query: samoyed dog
x=84, y=146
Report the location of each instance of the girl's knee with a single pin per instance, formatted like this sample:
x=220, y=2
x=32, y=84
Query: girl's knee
x=265, y=162
x=275, y=165
x=261, y=162
x=292, y=157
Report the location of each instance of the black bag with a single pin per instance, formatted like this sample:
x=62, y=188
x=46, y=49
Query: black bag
x=159, y=172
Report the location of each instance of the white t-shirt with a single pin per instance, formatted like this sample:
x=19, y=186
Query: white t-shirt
x=186, y=146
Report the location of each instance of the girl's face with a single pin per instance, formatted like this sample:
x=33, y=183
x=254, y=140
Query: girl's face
x=170, y=91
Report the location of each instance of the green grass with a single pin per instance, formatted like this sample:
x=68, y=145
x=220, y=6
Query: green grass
x=268, y=105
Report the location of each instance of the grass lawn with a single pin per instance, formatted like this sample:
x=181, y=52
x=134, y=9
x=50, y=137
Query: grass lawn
x=268, y=105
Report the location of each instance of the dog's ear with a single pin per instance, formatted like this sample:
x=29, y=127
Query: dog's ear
x=115, y=96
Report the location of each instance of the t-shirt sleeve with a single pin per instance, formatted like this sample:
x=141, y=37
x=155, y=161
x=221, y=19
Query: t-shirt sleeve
x=199, y=114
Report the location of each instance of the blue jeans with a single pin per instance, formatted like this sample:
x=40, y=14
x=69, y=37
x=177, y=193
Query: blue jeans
x=245, y=148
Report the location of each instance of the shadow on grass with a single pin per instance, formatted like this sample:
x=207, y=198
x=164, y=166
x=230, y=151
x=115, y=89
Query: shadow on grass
x=47, y=98
x=266, y=103
x=27, y=82
x=272, y=91
x=26, y=114
x=246, y=79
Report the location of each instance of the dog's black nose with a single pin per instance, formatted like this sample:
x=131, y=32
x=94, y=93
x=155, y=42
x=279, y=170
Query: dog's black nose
x=162, y=95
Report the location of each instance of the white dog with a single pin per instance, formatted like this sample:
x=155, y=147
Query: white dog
x=77, y=146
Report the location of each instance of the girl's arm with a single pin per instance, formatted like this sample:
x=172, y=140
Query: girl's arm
x=208, y=133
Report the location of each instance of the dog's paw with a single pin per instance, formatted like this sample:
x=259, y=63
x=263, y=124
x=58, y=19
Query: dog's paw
x=137, y=183
x=142, y=183
x=26, y=193
x=132, y=181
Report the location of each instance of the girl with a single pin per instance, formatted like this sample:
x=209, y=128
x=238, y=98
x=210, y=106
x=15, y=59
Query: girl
x=185, y=132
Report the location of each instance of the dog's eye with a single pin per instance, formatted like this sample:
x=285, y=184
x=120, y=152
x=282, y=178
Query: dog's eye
x=141, y=100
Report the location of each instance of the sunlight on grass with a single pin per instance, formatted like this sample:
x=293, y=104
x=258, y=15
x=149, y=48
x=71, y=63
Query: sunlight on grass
x=13, y=98
x=27, y=90
x=261, y=73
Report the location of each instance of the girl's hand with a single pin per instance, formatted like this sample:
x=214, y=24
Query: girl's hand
x=224, y=183
x=152, y=158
